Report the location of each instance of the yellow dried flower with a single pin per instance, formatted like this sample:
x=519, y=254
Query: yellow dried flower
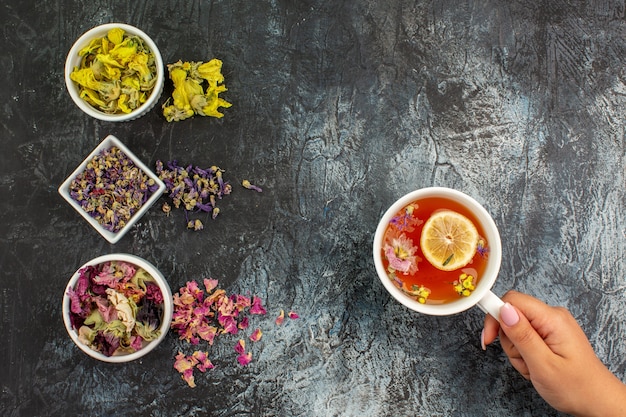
x=197, y=86
x=465, y=285
x=115, y=35
x=118, y=69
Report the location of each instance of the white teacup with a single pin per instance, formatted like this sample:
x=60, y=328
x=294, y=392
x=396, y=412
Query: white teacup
x=482, y=296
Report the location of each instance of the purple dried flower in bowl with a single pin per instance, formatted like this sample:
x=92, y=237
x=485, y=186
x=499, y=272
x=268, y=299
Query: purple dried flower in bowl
x=112, y=189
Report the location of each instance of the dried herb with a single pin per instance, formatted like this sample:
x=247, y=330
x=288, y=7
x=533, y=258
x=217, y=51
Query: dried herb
x=112, y=188
x=197, y=86
x=115, y=307
x=205, y=314
x=117, y=72
x=194, y=189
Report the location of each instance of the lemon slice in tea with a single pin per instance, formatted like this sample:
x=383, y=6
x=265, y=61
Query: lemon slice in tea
x=449, y=240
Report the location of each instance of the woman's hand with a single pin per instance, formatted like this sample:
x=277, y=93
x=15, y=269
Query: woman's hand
x=547, y=346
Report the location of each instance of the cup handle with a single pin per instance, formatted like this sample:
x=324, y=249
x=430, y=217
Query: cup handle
x=491, y=304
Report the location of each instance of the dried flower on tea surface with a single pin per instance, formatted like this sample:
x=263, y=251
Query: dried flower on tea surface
x=465, y=285
x=194, y=189
x=197, y=86
x=112, y=188
x=117, y=72
x=115, y=307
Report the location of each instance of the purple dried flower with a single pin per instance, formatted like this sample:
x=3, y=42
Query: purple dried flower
x=248, y=185
x=194, y=188
x=111, y=188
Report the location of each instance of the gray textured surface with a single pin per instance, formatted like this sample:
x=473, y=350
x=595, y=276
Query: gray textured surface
x=340, y=107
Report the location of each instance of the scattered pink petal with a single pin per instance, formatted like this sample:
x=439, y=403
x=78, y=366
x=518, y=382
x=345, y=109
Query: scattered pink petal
x=189, y=378
x=210, y=284
x=207, y=332
x=241, y=302
x=229, y=325
x=245, y=358
x=280, y=318
x=205, y=314
x=257, y=306
x=240, y=346
x=292, y=315
x=203, y=360
x=195, y=291
x=256, y=335
x=184, y=365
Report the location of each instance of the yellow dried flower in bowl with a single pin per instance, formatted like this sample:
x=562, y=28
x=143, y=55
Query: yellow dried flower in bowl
x=114, y=72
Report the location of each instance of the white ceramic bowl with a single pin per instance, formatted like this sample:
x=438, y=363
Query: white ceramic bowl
x=107, y=143
x=73, y=60
x=167, y=307
x=482, y=295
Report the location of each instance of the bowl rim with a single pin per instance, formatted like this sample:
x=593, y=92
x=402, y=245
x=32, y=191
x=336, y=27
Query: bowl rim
x=72, y=59
x=491, y=271
x=106, y=143
x=168, y=306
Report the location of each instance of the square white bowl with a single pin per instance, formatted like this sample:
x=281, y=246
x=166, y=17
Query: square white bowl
x=109, y=142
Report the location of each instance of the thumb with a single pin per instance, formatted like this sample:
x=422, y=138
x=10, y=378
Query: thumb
x=530, y=345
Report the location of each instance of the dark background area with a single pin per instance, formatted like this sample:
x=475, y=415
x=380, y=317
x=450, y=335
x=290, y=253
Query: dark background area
x=339, y=108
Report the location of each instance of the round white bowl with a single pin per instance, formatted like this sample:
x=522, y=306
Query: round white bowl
x=168, y=307
x=482, y=295
x=73, y=60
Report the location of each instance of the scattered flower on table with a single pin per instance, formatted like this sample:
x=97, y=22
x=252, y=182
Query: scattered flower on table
x=202, y=315
x=197, y=86
x=250, y=186
x=184, y=365
x=195, y=189
x=244, y=358
x=281, y=317
x=256, y=335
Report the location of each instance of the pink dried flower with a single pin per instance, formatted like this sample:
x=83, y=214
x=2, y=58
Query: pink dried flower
x=293, y=315
x=280, y=318
x=240, y=346
x=210, y=284
x=203, y=315
x=153, y=292
x=203, y=360
x=207, y=332
x=229, y=325
x=136, y=342
x=257, y=306
x=256, y=335
x=245, y=358
x=184, y=365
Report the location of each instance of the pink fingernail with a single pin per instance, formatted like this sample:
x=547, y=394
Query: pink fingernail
x=482, y=340
x=509, y=315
